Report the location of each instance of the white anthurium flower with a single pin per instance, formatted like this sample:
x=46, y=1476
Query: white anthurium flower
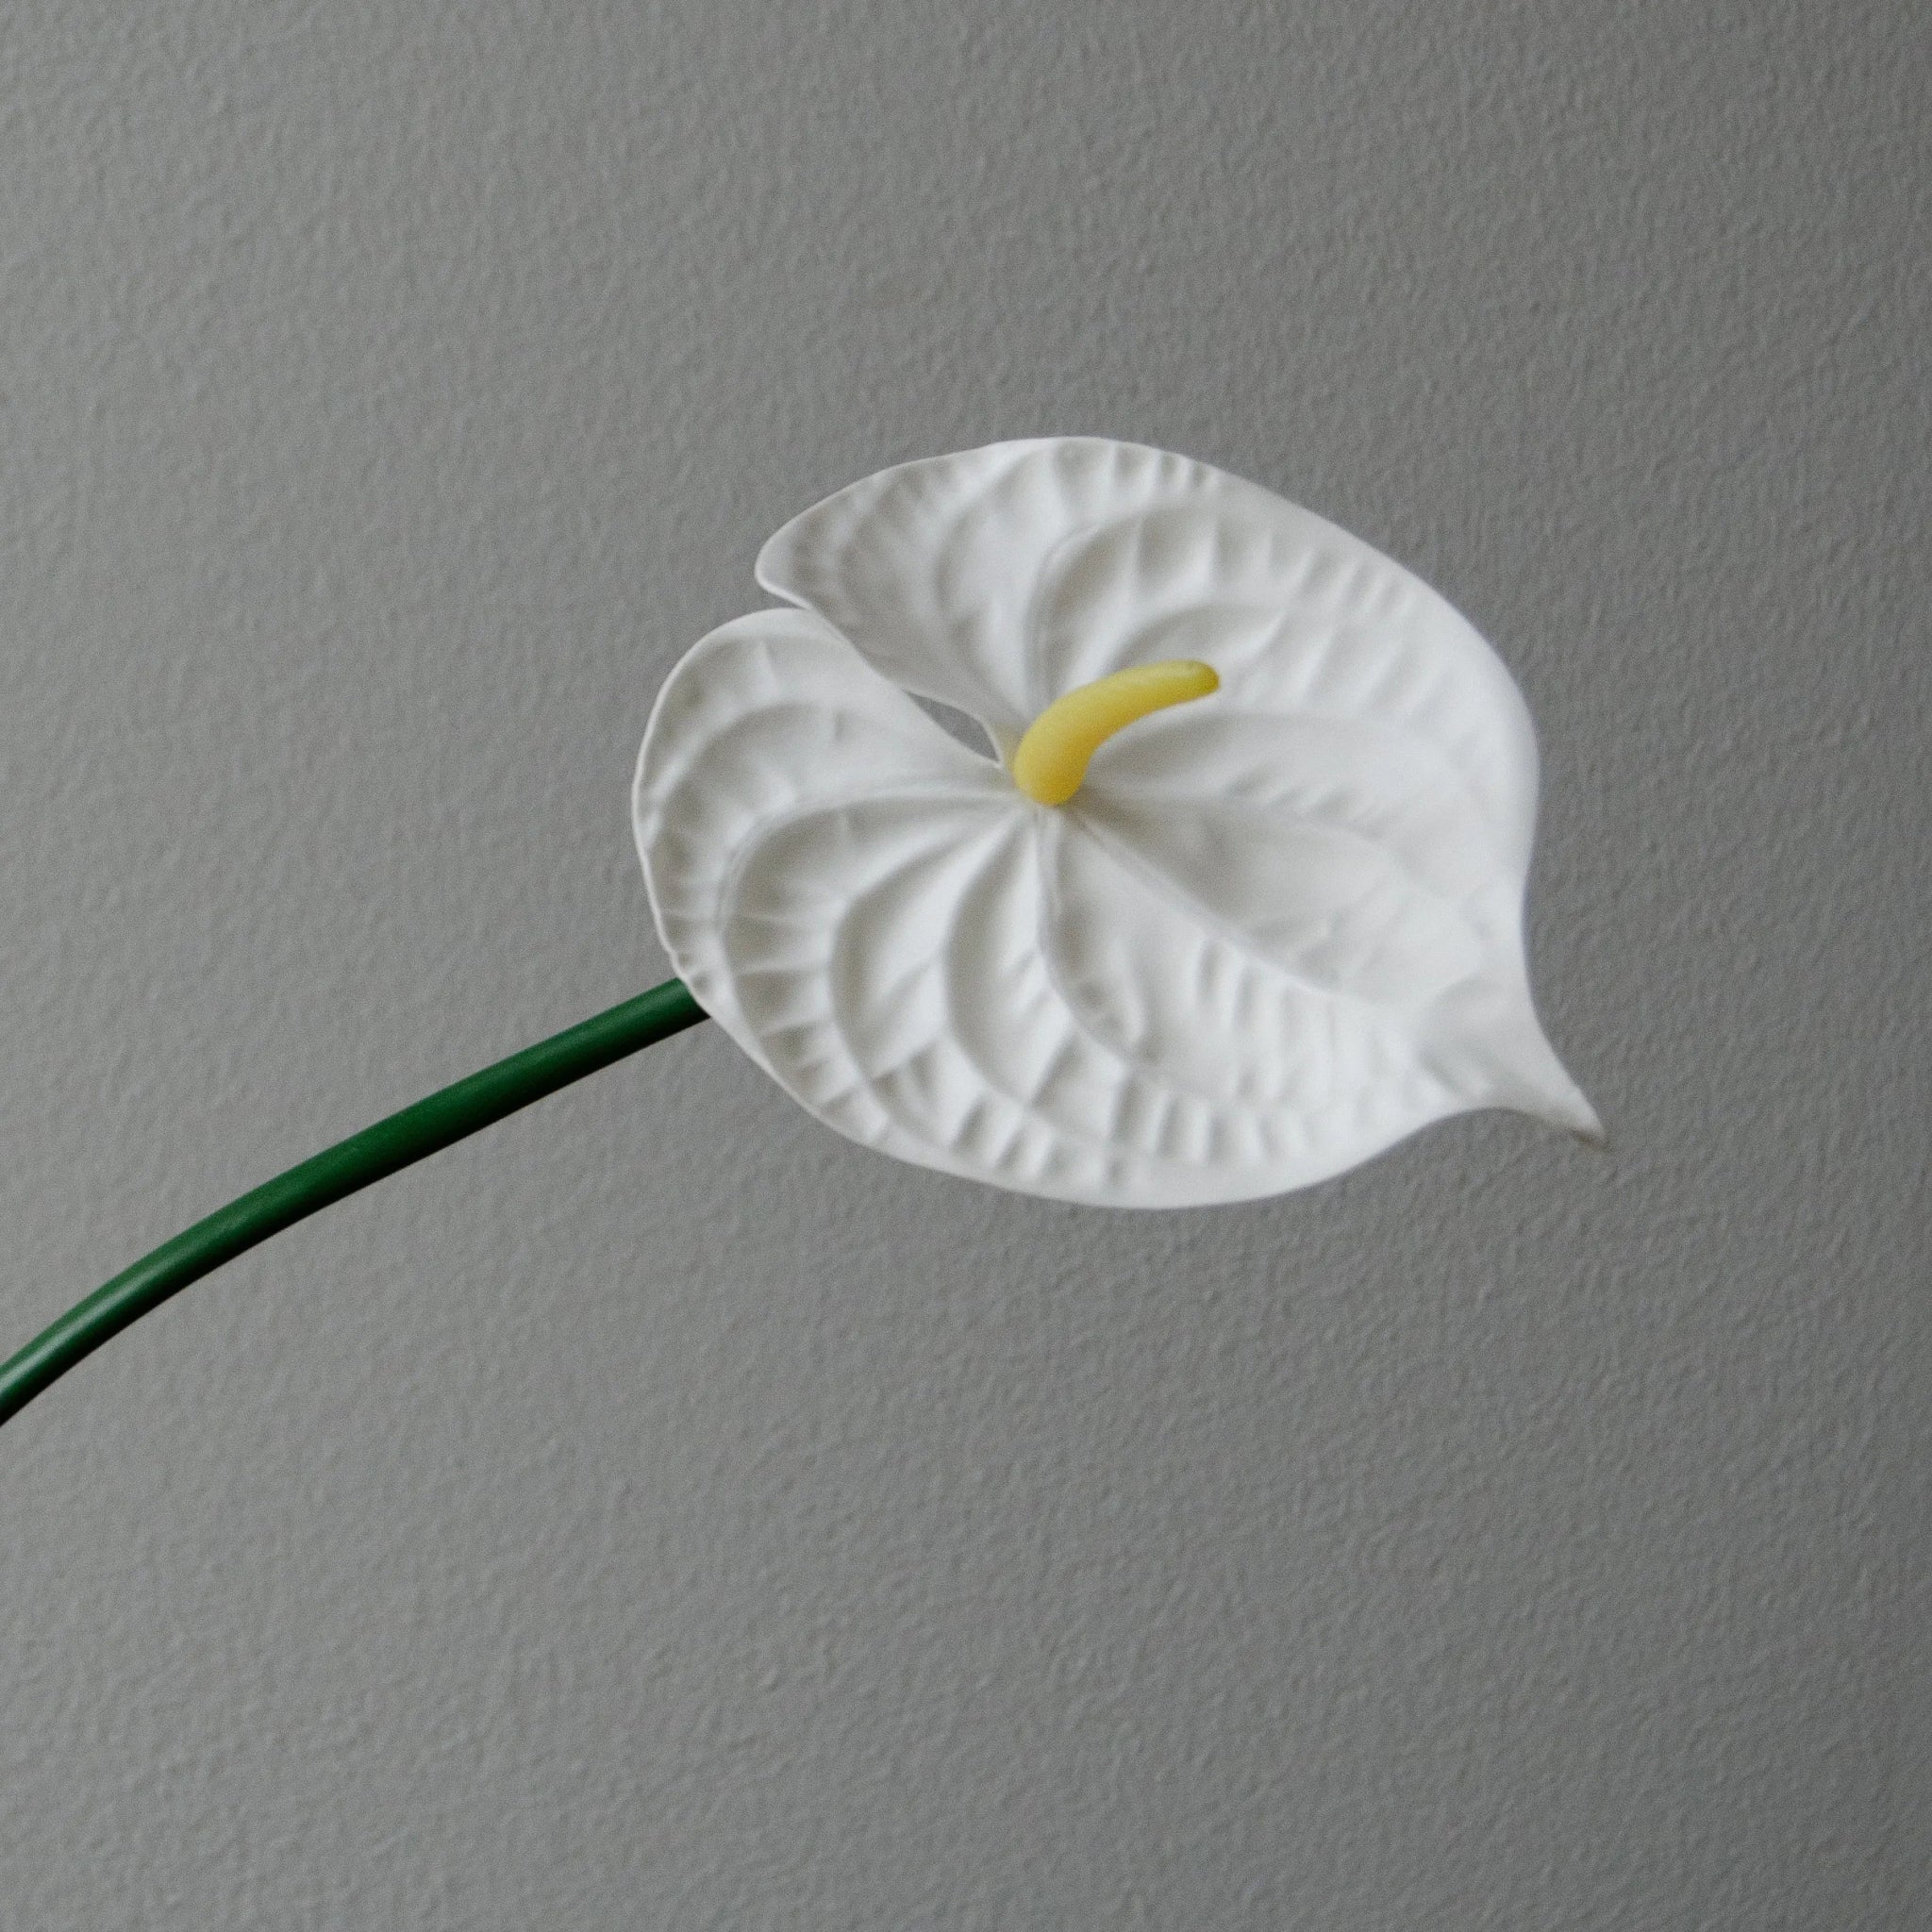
x=1236, y=904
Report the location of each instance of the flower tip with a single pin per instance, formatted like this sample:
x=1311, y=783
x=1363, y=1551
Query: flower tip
x=1569, y=1112
x=1529, y=1078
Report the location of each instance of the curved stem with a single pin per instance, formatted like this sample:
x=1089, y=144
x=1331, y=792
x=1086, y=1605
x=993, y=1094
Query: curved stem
x=373, y=1154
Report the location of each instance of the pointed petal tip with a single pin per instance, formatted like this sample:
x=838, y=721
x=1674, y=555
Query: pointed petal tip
x=1534, y=1081
x=1571, y=1113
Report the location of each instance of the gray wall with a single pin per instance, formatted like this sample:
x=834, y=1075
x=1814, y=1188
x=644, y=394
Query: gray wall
x=661, y=1513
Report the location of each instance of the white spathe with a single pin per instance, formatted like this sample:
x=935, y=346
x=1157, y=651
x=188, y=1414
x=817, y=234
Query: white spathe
x=1275, y=931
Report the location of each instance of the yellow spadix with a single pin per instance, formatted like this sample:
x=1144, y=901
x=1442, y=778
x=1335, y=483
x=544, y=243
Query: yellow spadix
x=1051, y=759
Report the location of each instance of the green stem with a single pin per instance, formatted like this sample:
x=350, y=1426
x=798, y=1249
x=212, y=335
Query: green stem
x=373, y=1154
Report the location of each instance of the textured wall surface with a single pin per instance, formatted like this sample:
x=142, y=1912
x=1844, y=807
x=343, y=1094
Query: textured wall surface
x=660, y=1512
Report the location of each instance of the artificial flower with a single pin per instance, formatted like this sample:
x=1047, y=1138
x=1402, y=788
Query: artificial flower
x=1232, y=899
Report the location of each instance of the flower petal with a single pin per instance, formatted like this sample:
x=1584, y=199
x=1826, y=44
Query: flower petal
x=946, y=973
x=1277, y=931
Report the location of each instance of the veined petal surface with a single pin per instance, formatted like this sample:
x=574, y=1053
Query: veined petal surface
x=768, y=720
x=1275, y=931
x=997, y=579
x=934, y=569
x=1363, y=863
